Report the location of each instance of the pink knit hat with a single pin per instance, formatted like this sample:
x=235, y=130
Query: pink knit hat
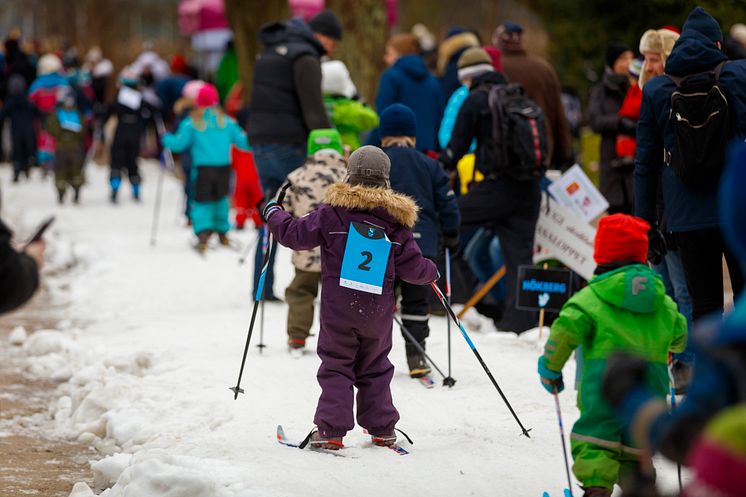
x=192, y=88
x=207, y=96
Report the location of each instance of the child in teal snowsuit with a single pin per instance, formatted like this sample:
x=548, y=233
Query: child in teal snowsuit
x=208, y=135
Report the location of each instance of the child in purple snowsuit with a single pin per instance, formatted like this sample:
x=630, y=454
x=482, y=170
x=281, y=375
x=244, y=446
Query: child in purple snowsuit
x=357, y=316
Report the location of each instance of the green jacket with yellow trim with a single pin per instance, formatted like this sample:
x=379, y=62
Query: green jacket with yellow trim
x=625, y=309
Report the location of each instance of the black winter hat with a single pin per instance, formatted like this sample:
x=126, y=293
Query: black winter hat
x=327, y=23
x=613, y=51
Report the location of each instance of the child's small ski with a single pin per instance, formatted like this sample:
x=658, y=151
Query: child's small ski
x=426, y=381
x=282, y=439
x=565, y=493
x=398, y=449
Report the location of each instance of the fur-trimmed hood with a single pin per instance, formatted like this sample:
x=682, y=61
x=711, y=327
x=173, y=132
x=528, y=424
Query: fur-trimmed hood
x=452, y=45
x=357, y=197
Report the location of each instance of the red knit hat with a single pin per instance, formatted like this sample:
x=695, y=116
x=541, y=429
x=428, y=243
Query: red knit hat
x=621, y=238
x=207, y=96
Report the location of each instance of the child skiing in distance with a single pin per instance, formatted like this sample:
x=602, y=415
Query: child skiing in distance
x=132, y=113
x=65, y=124
x=208, y=134
x=365, y=233
x=324, y=167
x=182, y=109
x=420, y=177
x=623, y=308
x=350, y=116
x=21, y=112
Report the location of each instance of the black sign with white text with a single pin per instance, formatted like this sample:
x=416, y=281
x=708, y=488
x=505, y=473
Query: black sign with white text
x=546, y=289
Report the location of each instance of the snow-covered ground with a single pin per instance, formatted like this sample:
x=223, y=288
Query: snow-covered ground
x=153, y=340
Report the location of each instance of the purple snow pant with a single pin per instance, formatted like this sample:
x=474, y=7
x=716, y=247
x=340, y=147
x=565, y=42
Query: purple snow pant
x=355, y=353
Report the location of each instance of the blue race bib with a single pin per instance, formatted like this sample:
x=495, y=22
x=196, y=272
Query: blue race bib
x=365, y=259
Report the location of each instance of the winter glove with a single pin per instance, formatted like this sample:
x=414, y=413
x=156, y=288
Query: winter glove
x=656, y=246
x=550, y=380
x=452, y=243
x=624, y=373
x=627, y=126
x=270, y=208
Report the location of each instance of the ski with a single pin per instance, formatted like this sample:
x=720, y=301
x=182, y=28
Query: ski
x=398, y=449
x=565, y=493
x=282, y=440
x=426, y=382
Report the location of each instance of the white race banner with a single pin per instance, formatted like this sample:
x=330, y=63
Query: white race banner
x=576, y=192
x=562, y=236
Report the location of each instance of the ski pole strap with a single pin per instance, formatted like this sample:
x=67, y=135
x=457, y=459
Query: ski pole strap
x=405, y=436
x=305, y=441
x=448, y=273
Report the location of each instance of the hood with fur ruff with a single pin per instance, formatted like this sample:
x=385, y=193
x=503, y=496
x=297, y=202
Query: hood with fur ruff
x=357, y=197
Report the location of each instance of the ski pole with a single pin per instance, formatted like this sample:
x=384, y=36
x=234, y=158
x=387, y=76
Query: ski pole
x=170, y=159
x=448, y=381
x=473, y=348
x=673, y=408
x=562, y=436
x=259, y=295
x=265, y=250
x=419, y=348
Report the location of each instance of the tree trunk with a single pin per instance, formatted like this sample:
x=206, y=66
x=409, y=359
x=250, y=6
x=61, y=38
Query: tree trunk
x=363, y=41
x=245, y=18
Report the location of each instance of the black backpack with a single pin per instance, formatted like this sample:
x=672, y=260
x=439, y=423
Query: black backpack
x=702, y=125
x=519, y=140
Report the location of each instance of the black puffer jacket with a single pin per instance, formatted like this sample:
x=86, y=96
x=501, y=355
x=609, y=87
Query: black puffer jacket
x=286, y=101
x=18, y=273
x=475, y=121
x=617, y=180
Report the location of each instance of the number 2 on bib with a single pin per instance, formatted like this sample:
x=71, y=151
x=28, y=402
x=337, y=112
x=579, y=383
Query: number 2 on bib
x=365, y=258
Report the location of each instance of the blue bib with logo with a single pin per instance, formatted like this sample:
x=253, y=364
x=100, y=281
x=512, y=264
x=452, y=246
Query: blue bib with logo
x=365, y=258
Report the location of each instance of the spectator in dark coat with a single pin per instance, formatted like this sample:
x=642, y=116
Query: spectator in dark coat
x=19, y=271
x=505, y=200
x=420, y=177
x=692, y=216
x=542, y=86
x=287, y=103
x=407, y=81
x=606, y=99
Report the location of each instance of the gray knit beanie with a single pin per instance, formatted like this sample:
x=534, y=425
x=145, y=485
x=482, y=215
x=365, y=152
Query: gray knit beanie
x=369, y=166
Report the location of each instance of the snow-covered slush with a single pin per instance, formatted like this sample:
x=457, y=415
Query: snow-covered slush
x=153, y=339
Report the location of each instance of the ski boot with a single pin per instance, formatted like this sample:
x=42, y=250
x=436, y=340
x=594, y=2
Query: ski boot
x=416, y=361
x=202, y=239
x=115, y=183
x=682, y=376
x=76, y=195
x=224, y=240
x=136, y=192
x=60, y=196
x=384, y=440
x=296, y=347
x=326, y=443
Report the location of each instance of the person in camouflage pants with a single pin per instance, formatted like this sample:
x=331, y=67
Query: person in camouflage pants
x=623, y=308
x=325, y=166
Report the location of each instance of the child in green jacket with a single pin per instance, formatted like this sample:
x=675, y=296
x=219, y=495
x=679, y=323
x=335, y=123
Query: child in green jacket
x=350, y=117
x=624, y=307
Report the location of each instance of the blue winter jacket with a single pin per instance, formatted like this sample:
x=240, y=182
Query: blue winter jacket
x=210, y=146
x=693, y=53
x=449, y=117
x=408, y=82
x=417, y=175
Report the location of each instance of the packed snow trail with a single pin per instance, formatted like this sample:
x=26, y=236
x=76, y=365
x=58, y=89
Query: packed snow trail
x=154, y=339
